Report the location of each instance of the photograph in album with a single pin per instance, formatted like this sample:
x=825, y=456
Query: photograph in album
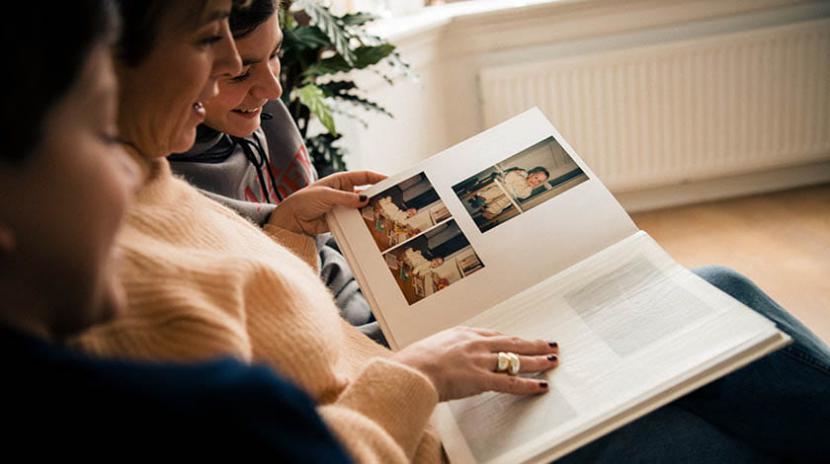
x=518, y=183
x=432, y=261
x=403, y=211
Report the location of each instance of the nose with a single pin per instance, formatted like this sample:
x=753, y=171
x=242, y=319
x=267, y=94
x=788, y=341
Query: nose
x=226, y=60
x=268, y=87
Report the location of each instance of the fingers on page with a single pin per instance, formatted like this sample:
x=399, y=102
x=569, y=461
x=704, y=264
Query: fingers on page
x=521, y=346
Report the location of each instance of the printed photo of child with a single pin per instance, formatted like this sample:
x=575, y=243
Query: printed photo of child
x=518, y=184
x=403, y=211
x=432, y=261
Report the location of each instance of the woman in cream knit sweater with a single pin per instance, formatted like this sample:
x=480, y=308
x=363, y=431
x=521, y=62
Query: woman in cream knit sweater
x=202, y=282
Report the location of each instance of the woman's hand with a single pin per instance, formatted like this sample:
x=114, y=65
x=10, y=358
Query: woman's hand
x=461, y=362
x=304, y=211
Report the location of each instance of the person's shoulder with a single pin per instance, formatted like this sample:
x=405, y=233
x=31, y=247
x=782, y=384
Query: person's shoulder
x=216, y=408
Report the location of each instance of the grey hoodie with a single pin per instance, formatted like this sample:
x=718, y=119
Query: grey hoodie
x=252, y=175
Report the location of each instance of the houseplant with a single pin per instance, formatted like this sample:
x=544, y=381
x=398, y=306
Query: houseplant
x=319, y=48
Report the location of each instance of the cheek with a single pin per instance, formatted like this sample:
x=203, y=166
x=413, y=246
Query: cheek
x=113, y=198
x=230, y=96
x=88, y=195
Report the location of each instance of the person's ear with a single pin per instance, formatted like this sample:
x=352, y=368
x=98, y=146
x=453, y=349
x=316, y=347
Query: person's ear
x=7, y=240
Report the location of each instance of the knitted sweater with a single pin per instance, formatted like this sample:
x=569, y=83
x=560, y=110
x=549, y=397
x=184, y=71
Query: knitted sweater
x=203, y=282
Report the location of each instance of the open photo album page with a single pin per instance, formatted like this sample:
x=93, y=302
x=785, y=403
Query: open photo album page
x=475, y=224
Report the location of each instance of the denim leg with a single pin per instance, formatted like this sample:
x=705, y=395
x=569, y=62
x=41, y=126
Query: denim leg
x=777, y=408
x=743, y=290
x=670, y=434
x=779, y=404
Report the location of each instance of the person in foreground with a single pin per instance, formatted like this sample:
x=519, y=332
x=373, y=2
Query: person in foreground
x=64, y=185
x=202, y=282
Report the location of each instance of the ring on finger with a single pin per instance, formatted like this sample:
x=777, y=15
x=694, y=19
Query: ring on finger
x=503, y=363
x=515, y=364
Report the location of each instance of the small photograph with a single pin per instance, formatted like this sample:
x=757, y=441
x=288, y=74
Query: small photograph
x=432, y=261
x=518, y=184
x=403, y=211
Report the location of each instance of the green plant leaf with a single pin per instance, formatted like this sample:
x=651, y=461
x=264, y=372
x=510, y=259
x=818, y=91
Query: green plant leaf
x=365, y=57
x=331, y=26
x=326, y=156
x=335, y=88
x=320, y=43
x=363, y=103
x=286, y=19
x=308, y=37
x=358, y=19
x=328, y=66
x=369, y=55
x=312, y=96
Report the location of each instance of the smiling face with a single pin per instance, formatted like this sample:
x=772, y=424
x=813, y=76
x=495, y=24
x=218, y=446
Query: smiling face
x=162, y=97
x=62, y=209
x=536, y=179
x=237, y=109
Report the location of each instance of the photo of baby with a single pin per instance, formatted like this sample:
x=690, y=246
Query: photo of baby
x=403, y=211
x=432, y=261
x=518, y=183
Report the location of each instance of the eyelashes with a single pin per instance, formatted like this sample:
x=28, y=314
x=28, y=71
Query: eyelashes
x=242, y=77
x=208, y=41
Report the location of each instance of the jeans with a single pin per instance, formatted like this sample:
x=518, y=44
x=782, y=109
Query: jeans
x=776, y=409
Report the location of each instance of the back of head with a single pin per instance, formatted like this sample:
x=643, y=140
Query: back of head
x=45, y=63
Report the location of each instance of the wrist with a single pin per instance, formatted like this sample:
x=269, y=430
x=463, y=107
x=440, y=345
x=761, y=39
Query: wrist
x=413, y=362
x=283, y=219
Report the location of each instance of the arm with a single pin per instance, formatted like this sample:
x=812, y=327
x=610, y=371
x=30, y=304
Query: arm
x=304, y=246
x=383, y=413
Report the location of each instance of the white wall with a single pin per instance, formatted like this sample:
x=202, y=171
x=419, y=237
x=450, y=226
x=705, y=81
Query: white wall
x=449, y=46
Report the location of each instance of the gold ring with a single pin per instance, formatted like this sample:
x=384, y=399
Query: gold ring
x=503, y=362
x=515, y=364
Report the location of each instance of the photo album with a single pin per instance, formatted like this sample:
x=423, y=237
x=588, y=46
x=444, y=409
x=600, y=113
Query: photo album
x=511, y=230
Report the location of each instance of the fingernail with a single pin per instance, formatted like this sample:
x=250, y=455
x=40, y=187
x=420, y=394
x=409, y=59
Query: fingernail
x=363, y=198
x=552, y=358
x=553, y=344
x=543, y=384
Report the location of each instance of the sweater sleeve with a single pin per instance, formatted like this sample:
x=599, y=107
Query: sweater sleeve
x=301, y=245
x=382, y=414
x=189, y=337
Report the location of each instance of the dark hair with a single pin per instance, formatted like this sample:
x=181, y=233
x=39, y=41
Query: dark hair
x=247, y=16
x=140, y=24
x=539, y=169
x=42, y=66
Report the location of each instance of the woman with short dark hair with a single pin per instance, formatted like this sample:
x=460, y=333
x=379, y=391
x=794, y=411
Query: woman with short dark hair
x=65, y=183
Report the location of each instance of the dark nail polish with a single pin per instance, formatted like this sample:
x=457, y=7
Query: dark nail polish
x=552, y=358
x=543, y=384
x=363, y=198
x=553, y=344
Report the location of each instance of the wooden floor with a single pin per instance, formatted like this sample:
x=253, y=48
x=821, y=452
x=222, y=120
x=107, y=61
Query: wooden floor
x=780, y=240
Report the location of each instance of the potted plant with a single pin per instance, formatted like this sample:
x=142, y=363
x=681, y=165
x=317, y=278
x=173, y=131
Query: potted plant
x=319, y=48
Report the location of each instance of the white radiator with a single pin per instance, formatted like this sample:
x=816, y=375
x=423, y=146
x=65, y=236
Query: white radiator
x=682, y=111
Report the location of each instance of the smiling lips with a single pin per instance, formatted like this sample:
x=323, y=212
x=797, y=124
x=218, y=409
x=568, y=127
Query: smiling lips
x=248, y=112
